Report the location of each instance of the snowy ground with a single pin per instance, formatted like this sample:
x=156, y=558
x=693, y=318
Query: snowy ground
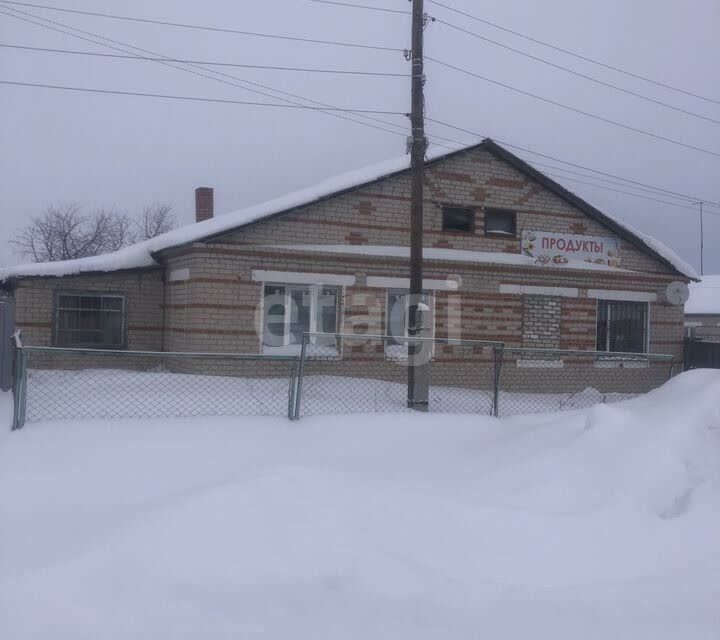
x=121, y=393
x=602, y=523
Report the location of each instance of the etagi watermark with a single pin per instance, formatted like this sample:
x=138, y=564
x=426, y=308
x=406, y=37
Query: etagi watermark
x=335, y=317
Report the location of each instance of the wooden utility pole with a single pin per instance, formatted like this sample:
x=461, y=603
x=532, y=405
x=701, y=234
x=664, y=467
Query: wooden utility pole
x=702, y=240
x=418, y=372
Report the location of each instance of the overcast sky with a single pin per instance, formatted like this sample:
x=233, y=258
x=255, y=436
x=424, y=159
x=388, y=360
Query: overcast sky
x=123, y=151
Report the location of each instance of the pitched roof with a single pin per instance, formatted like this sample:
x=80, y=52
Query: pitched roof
x=146, y=254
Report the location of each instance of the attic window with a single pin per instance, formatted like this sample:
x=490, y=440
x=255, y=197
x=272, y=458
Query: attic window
x=500, y=222
x=458, y=219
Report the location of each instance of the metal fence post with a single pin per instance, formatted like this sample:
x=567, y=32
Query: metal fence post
x=293, y=389
x=16, y=389
x=19, y=389
x=498, y=358
x=301, y=366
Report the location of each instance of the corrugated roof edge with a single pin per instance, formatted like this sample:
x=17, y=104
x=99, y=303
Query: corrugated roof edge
x=149, y=252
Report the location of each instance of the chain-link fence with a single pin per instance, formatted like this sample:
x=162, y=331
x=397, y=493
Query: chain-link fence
x=332, y=374
x=356, y=373
x=548, y=380
x=60, y=383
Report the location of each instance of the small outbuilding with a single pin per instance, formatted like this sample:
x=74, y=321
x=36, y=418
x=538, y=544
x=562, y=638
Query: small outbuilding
x=702, y=310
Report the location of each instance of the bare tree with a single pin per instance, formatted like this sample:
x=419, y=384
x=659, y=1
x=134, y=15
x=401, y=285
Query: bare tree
x=154, y=220
x=64, y=232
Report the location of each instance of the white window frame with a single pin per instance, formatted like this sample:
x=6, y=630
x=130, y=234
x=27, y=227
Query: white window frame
x=314, y=291
x=431, y=300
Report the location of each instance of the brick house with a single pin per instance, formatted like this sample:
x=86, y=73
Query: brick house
x=510, y=256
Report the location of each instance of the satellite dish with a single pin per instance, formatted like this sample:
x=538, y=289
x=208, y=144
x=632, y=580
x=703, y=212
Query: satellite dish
x=677, y=293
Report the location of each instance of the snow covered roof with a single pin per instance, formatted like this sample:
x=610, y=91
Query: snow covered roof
x=144, y=254
x=704, y=296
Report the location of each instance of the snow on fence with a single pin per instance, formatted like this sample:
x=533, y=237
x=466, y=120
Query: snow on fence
x=331, y=374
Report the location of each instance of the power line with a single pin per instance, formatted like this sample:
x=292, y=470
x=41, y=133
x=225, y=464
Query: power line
x=650, y=188
x=617, y=183
x=204, y=27
x=339, y=115
x=657, y=136
x=581, y=75
x=576, y=54
x=195, y=98
x=554, y=65
x=196, y=70
x=627, y=193
x=573, y=164
x=206, y=62
x=363, y=6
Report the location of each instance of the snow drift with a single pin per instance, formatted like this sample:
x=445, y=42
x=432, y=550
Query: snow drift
x=595, y=524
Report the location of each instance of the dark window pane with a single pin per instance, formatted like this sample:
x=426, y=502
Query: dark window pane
x=93, y=338
x=112, y=323
x=114, y=337
x=68, y=302
x=500, y=222
x=299, y=314
x=95, y=321
x=90, y=319
x=326, y=317
x=67, y=319
x=274, y=320
x=627, y=327
x=112, y=304
x=602, y=319
x=90, y=302
x=458, y=219
x=622, y=326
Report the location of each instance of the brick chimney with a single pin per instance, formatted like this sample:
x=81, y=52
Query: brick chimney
x=203, y=203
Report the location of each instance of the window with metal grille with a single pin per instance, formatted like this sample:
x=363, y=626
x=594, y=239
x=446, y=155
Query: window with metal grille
x=458, y=219
x=90, y=320
x=500, y=222
x=622, y=326
x=291, y=310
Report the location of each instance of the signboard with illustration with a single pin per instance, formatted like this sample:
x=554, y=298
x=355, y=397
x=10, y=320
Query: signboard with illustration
x=559, y=248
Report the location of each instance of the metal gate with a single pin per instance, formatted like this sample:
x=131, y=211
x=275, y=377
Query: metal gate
x=700, y=354
x=7, y=350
